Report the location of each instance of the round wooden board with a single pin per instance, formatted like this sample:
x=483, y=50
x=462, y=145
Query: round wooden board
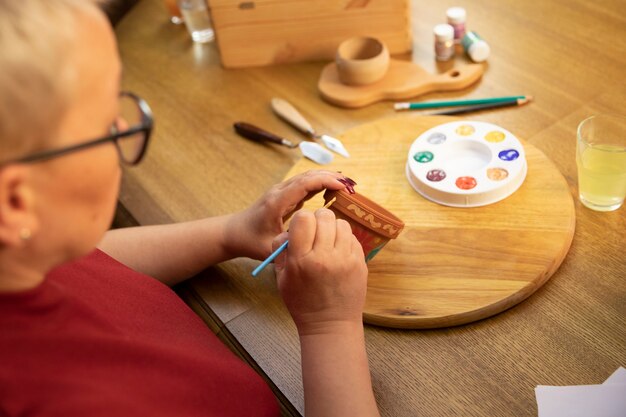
x=452, y=266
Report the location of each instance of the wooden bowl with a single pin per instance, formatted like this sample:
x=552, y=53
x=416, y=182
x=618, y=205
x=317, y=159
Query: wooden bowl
x=372, y=224
x=362, y=61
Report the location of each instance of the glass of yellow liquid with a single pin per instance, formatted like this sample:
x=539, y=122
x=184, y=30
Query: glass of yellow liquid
x=601, y=161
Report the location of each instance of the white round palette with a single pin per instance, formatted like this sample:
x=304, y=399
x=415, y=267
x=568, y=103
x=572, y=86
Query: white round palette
x=466, y=164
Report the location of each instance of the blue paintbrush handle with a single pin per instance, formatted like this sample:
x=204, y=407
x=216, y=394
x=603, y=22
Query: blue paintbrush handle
x=284, y=245
x=269, y=259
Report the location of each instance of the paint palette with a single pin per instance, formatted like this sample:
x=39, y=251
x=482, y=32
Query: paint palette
x=466, y=164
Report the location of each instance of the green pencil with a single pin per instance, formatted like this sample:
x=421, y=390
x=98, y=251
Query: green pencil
x=454, y=103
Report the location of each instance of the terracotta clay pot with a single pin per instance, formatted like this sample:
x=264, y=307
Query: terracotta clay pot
x=372, y=225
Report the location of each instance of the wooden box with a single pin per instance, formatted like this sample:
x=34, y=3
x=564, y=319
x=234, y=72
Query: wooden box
x=267, y=32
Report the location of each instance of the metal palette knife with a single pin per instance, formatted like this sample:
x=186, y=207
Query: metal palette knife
x=287, y=112
x=311, y=150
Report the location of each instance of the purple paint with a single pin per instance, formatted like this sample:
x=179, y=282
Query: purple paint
x=436, y=175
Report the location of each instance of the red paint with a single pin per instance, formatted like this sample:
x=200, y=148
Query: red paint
x=466, y=183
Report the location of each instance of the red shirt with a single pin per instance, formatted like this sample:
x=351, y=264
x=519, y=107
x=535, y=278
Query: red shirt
x=99, y=339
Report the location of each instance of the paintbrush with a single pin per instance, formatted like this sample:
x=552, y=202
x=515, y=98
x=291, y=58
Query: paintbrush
x=279, y=250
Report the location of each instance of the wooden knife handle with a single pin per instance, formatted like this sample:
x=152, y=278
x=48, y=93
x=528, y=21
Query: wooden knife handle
x=256, y=133
x=289, y=113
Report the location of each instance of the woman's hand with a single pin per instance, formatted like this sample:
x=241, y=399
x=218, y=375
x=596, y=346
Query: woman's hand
x=322, y=276
x=251, y=232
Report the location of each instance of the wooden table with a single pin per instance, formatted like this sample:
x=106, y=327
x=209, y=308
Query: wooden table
x=570, y=55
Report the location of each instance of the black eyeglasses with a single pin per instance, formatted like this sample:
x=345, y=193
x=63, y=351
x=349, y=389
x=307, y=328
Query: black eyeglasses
x=130, y=133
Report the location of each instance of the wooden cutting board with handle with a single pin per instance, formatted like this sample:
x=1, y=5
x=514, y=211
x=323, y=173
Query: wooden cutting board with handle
x=452, y=266
x=403, y=80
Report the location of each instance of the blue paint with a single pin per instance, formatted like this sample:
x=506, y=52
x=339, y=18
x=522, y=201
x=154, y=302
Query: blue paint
x=373, y=252
x=508, y=155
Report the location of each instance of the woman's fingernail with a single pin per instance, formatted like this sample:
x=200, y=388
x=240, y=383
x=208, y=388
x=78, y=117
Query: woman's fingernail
x=348, y=183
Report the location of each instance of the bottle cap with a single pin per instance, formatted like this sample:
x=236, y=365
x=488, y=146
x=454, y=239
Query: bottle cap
x=455, y=15
x=444, y=32
x=479, y=51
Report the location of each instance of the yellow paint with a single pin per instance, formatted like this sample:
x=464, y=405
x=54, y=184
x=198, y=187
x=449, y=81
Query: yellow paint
x=465, y=130
x=494, y=136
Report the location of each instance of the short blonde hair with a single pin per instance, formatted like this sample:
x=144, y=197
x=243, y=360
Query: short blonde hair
x=36, y=70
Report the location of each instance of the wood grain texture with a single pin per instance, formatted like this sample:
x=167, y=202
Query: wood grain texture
x=570, y=55
x=270, y=32
x=452, y=266
x=403, y=80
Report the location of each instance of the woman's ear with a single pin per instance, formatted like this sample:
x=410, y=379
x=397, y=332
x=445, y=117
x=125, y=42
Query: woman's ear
x=18, y=221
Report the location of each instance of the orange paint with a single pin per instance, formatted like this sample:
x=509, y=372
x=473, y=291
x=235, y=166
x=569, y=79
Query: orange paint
x=466, y=183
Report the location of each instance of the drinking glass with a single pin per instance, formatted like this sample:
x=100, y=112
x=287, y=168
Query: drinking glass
x=601, y=161
x=196, y=16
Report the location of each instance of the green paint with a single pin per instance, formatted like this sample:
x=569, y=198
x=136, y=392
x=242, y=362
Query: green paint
x=423, y=156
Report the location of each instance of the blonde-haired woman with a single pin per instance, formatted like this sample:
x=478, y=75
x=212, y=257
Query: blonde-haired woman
x=95, y=332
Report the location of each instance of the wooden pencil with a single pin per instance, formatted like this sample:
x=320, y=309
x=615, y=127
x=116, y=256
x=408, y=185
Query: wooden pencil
x=477, y=107
x=454, y=103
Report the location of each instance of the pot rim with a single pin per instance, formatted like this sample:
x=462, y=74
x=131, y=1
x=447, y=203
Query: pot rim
x=344, y=198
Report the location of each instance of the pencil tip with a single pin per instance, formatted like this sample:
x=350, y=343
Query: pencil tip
x=525, y=100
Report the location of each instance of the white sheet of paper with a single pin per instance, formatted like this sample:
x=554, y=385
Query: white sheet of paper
x=582, y=401
x=618, y=377
x=606, y=400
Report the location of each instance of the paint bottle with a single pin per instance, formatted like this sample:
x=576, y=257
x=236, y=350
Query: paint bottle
x=456, y=19
x=444, y=42
x=477, y=49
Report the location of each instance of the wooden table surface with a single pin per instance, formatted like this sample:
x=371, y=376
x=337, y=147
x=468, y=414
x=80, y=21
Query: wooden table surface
x=570, y=55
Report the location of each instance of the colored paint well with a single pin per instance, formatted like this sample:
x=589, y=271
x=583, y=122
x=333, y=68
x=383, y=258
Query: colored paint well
x=494, y=136
x=436, y=175
x=436, y=138
x=466, y=183
x=465, y=130
x=508, y=155
x=497, y=174
x=423, y=157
